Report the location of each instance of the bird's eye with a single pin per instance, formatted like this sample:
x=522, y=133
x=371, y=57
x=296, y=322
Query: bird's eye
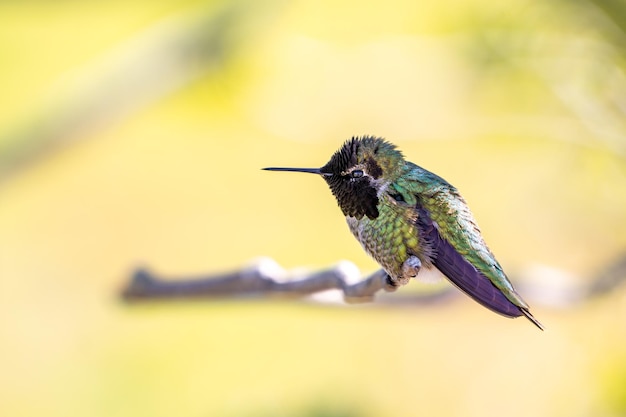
x=357, y=173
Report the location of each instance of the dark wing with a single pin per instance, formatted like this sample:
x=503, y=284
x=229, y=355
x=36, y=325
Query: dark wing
x=461, y=273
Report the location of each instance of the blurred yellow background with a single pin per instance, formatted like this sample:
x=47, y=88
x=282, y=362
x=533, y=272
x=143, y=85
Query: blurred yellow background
x=133, y=133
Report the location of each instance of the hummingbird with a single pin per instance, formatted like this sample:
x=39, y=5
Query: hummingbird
x=408, y=218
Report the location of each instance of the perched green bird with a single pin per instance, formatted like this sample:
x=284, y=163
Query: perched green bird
x=407, y=218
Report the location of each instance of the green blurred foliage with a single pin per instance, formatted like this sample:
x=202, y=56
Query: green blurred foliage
x=119, y=149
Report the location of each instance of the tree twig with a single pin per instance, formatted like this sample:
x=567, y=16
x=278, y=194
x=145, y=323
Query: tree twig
x=266, y=279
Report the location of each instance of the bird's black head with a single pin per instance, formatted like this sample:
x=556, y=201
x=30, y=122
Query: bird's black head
x=350, y=178
x=356, y=174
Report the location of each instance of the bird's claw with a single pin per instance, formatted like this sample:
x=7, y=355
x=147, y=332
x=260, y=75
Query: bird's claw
x=391, y=284
x=411, y=267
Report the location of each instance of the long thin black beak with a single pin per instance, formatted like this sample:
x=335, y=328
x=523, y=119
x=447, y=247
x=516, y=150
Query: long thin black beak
x=307, y=170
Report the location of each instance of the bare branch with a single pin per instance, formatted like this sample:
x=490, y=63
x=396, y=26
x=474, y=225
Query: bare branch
x=267, y=279
x=609, y=279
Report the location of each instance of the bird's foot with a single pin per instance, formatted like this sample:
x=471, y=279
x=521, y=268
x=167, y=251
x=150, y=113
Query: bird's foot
x=411, y=267
x=390, y=284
